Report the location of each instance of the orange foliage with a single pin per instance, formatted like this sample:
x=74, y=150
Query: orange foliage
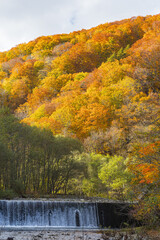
x=146, y=169
x=90, y=118
x=146, y=173
x=150, y=149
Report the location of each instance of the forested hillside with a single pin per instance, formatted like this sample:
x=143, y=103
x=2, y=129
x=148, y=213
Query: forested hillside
x=86, y=109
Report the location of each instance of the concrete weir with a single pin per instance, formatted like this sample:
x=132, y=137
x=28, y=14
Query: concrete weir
x=40, y=214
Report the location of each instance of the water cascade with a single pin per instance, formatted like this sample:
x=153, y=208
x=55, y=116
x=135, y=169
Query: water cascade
x=56, y=214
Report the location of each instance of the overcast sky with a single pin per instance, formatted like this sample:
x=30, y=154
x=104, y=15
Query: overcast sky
x=25, y=20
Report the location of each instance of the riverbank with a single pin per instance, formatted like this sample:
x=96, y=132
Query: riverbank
x=81, y=235
x=50, y=235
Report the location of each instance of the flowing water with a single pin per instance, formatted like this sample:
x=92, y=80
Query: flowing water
x=56, y=214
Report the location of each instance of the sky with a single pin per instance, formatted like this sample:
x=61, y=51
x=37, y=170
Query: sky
x=24, y=20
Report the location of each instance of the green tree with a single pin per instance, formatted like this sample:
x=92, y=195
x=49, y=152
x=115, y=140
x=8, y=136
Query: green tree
x=116, y=177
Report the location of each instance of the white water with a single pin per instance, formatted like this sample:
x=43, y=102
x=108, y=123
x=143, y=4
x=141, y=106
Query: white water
x=32, y=214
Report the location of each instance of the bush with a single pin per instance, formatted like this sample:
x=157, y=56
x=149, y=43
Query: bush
x=18, y=188
x=7, y=194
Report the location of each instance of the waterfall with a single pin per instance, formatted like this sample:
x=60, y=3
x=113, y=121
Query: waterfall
x=33, y=213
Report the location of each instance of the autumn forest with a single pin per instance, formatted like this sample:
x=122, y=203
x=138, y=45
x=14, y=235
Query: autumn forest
x=80, y=115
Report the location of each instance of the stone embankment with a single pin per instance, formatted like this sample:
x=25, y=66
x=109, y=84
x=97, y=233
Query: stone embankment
x=71, y=235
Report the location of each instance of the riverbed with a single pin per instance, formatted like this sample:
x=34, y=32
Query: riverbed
x=50, y=235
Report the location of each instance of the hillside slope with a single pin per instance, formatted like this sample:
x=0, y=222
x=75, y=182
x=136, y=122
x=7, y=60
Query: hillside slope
x=91, y=84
